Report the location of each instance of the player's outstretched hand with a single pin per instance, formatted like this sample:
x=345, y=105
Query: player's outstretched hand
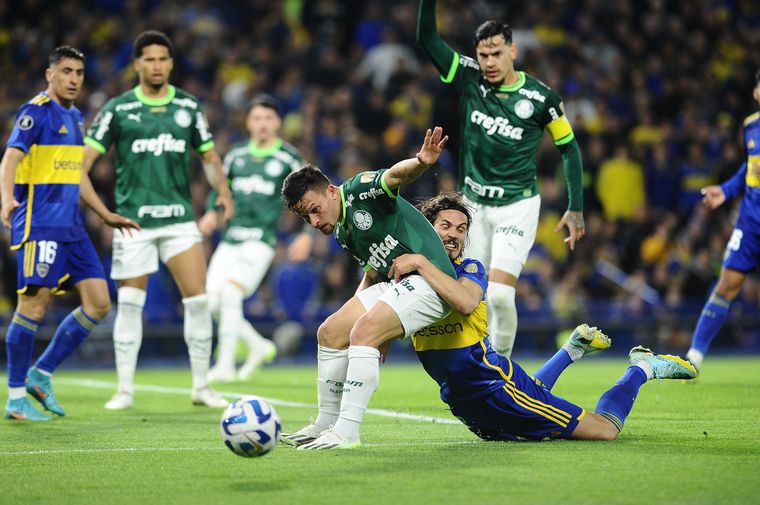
x=7, y=211
x=432, y=146
x=713, y=196
x=208, y=223
x=575, y=226
x=121, y=223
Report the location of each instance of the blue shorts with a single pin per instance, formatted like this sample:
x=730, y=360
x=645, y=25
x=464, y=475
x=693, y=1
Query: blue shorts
x=743, y=248
x=57, y=265
x=519, y=409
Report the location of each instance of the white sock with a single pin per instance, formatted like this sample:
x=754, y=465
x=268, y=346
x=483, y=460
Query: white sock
x=332, y=365
x=198, y=332
x=252, y=338
x=230, y=321
x=695, y=357
x=127, y=335
x=647, y=367
x=362, y=378
x=16, y=393
x=45, y=372
x=502, y=317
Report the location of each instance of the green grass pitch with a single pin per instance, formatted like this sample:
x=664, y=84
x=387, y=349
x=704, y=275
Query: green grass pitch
x=683, y=444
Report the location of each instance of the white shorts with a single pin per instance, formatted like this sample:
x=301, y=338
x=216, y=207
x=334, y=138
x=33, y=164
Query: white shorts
x=246, y=263
x=138, y=254
x=415, y=303
x=501, y=237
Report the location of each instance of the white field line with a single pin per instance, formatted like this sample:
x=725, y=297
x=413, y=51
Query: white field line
x=234, y=395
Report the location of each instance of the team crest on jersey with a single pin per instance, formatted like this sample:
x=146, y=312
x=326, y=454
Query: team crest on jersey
x=471, y=268
x=524, y=109
x=362, y=220
x=273, y=168
x=751, y=144
x=25, y=122
x=42, y=269
x=367, y=177
x=182, y=118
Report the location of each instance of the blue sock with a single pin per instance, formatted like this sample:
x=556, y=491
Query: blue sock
x=69, y=334
x=548, y=374
x=616, y=403
x=710, y=322
x=19, y=344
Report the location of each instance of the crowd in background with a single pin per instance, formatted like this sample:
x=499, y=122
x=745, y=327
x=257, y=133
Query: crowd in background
x=656, y=92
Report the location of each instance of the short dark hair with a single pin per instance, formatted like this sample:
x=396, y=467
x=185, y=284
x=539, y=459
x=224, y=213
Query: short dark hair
x=63, y=52
x=297, y=183
x=449, y=200
x=264, y=100
x=491, y=29
x=149, y=38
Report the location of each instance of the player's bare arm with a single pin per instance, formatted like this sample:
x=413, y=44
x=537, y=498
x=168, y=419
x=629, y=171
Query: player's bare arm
x=463, y=295
x=713, y=196
x=575, y=226
x=8, y=165
x=212, y=166
x=406, y=171
x=89, y=197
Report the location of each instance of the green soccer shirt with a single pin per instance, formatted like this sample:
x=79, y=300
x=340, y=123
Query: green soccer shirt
x=256, y=177
x=501, y=126
x=153, y=139
x=377, y=226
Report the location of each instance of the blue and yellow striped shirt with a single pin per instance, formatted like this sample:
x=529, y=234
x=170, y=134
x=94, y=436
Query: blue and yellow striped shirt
x=49, y=176
x=455, y=351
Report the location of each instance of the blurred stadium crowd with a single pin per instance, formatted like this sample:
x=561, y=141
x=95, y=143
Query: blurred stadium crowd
x=656, y=92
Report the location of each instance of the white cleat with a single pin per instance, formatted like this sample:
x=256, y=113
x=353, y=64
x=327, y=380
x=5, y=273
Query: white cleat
x=208, y=397
x=330, y=440
x=120, y=401
x=221, y=374
x=257, y=358
x=303, y=436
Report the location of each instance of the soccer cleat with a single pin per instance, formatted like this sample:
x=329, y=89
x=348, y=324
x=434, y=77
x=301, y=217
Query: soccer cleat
x=40, y=387
x=120, y=401
x=21, y=410
x=303, y=436
x=208, y=397
x=586, y=339
x=329, y=439
x=664, y=366
x=221, y=374
x=256, y=359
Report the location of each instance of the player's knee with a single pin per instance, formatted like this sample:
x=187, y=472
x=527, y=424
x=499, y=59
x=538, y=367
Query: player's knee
x=329, y=335
x=367, y=332
x=97, y=309
x=500, y=295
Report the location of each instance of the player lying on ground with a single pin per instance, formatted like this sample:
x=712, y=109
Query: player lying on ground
x=490, y=393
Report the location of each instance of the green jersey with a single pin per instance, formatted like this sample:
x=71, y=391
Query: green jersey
x=377, y=226
x=256, y=177
x=501, y=126
x=154, y=139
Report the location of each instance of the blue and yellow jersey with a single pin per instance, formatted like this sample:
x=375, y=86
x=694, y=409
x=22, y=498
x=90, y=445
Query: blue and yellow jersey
x=455, y=351
x=48, y=177
x=751, y=203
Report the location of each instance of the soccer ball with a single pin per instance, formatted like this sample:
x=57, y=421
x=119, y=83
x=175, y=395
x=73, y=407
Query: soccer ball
x=250, y=427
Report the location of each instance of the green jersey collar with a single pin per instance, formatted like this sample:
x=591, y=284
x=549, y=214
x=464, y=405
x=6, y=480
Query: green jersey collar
x=264, y=152
x=519, y=84
x=155, y=101
x=342, y=220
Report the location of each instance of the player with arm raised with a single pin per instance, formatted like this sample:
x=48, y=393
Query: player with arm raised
x=371, y=221
x=41, y=176
x=256, y=170
x=504, y=114
x=154, y=128
x=743, y=248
